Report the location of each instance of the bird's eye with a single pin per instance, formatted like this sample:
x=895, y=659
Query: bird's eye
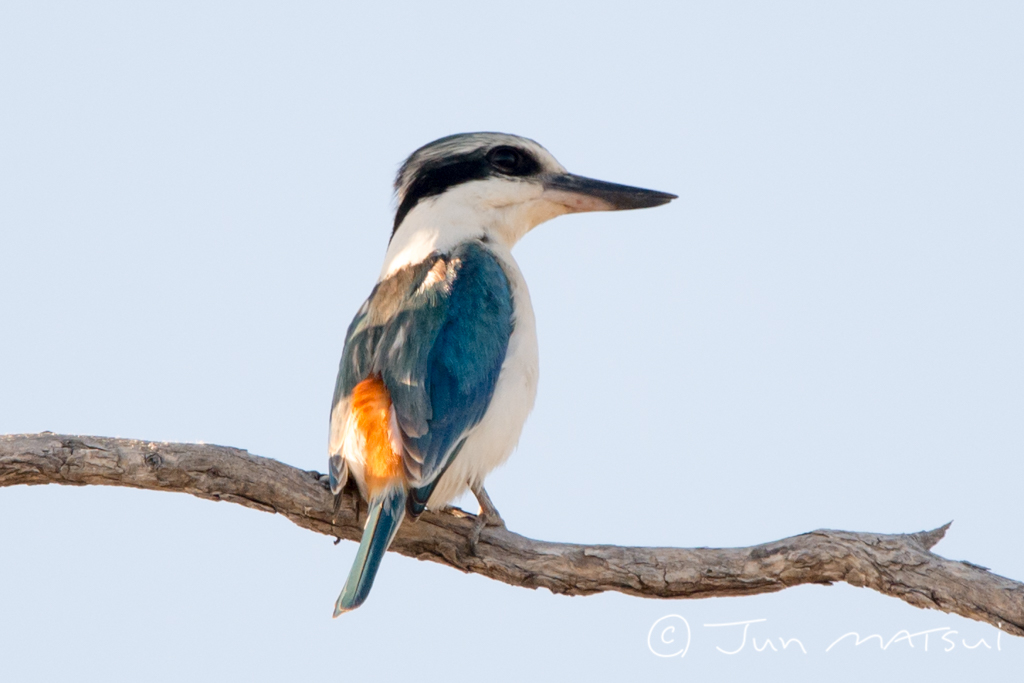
x=507, y=160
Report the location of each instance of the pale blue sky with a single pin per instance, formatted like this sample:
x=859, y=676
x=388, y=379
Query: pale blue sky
x=825, y=330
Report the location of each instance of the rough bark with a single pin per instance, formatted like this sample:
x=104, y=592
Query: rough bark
x=900, y=565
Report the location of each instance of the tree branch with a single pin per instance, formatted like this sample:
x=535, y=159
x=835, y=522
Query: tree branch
x=900, y=565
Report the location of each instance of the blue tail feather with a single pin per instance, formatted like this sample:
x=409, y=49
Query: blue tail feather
x=386, y=512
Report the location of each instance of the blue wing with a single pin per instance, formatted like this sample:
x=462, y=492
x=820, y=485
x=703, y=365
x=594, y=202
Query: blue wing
x=436, y=333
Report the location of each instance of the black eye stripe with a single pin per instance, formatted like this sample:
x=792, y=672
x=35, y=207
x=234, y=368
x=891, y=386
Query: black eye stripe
x=433, y=178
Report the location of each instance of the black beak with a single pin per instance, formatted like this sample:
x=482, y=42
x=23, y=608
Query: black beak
x=586, y=194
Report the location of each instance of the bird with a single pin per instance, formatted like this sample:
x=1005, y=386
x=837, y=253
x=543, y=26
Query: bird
x=439, y=367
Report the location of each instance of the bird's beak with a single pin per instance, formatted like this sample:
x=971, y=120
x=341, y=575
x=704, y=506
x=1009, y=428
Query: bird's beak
x=580, y=194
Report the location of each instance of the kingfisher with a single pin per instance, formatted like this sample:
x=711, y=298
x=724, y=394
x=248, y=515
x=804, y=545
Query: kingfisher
x=439, y=367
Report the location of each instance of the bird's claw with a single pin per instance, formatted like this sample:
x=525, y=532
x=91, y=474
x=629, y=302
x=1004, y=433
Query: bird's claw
x=474, y=533
x=488, y=517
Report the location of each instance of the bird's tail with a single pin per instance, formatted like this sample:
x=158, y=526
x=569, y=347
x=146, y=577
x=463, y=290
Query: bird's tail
x=386, y=512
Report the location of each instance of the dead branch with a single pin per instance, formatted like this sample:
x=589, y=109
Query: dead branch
x=900, y=565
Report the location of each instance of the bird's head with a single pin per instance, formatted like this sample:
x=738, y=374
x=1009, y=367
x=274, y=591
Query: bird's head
x=504, y=185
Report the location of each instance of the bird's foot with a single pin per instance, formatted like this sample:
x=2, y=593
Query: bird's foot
x=488, y=516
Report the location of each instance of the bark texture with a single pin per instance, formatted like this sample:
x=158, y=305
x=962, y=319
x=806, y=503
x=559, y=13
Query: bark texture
x=900, y=565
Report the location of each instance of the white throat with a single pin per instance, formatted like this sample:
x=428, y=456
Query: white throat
x=499, y=210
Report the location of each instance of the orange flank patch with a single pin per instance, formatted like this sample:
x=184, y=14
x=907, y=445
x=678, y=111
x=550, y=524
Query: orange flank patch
x=371, y=408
